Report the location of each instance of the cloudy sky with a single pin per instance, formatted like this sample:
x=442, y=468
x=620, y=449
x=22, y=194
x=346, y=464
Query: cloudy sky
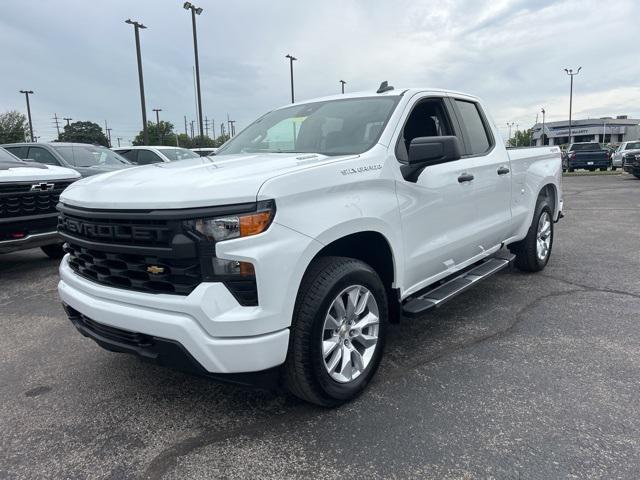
x=79, y=56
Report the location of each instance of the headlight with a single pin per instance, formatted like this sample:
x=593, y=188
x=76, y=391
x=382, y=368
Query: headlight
x=218, y=229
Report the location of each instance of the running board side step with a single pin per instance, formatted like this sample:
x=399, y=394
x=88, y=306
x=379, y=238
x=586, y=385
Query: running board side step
x=446, y=291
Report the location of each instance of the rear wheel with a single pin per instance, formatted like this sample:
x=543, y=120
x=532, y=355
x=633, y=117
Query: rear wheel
x=603, y=169
x=571, y=170
x=533, y=252
x=338, y=331
x=53, y=251
x=613, y=169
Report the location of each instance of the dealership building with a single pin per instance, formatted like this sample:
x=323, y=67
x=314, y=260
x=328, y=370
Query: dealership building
x=602, y=130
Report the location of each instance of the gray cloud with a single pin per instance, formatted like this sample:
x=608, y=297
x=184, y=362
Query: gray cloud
x=79, y=56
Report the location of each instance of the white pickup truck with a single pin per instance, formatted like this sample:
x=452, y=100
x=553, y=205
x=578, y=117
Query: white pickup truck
x=29, y=193
x=287, y=254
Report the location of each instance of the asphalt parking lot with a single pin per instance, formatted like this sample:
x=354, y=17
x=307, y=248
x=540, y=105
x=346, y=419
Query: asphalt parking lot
x=524, y=376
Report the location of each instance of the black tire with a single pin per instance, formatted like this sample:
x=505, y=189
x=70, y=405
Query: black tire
x=53, y=251
x=305, y=374
x=613, y=169
x=571, y=170
x=525, y=250
x=603, y=169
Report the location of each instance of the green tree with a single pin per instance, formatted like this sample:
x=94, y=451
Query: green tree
x=162, y=136
x=83, y=132
x=522, y=138
x=13, y=127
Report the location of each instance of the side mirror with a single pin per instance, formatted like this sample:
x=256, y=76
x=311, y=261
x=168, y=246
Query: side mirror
x=425, y=151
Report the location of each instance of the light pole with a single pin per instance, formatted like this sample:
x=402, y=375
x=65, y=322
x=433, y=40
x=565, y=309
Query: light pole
x=509, y=125
x=291, y=60
x=542, y=139
x=26, y=94
x=137, y=26
x=196, y=11
x=119, y=138
x=517, y=130
x=342, y=82
x=572, y=74
x=158, y=110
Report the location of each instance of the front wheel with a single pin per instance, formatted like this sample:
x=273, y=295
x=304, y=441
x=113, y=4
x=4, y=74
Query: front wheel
x=338, y=331
x=533, y=252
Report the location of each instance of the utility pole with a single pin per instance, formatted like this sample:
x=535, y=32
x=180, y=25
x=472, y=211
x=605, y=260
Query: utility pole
x=233, y=128
x=213, y=128
x=137, y=26
x=206, y=126
x=542, y=137
x=67, y=120
x=196, y=11
x=572, y=74
x=185, y=126
x=107, y=133
x=119, y=141
x=228, y=125
x=26, y=94
x=192, y=129
x=222, y=129
x=291, y=60
x=109, y=136
x=55, y=117
x=517, y=125
x=342, y=82
x=158, y=110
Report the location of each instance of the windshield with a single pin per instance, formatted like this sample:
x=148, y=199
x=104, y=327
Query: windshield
x=585, y=147
x=633, y=146
x=6, y=157
x=334, y=127
x=174, y=154
x=89, y=155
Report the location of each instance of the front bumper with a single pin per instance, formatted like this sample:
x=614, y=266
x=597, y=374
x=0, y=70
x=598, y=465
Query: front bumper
x=30, y=241
x=633, y=169
x=179, y=320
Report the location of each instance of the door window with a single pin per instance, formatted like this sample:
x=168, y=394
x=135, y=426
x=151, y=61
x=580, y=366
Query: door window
x=131, y=155
x=427, y=119
x=478, y=137
x=146, y=157
x=41, y=155
x=20, y=152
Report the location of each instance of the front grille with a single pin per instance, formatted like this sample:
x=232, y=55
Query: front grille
x=18, y=200
x=130, y=271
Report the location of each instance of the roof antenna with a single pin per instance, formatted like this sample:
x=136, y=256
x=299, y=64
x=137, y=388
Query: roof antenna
x=384, y=87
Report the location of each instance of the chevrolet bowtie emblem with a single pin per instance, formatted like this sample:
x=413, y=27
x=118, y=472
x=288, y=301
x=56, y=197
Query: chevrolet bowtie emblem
x=155, y=270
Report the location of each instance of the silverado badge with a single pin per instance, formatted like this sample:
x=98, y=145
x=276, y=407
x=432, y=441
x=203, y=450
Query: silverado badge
x=155, y=270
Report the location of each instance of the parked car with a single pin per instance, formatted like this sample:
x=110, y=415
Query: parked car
x=29, y=193
x=587, y=155
x=631, y=163
x=315, y=227
x=623, y=149
x=145, y=155
x=205, y=152
x=82, y=157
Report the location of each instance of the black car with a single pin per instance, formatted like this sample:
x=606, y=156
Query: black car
x=84, y=158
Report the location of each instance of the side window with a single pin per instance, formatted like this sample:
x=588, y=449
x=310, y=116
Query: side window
x=131, y=155
x=427, y=119
x=20, y=152
x=41, y=155
x=472, y=120
x=145, y=157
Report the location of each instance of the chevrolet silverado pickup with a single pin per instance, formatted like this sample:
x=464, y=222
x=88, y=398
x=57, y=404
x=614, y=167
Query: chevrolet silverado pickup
x=29, y=194
x=588, y=156
x=285, y=257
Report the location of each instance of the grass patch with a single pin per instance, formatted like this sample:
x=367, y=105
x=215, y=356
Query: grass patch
x=583, y=173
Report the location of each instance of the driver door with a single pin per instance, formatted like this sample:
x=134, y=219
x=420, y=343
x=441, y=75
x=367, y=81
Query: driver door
x=437, y=209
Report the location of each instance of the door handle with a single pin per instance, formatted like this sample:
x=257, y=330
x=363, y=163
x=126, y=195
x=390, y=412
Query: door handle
x=465, y=177
x=503, y=170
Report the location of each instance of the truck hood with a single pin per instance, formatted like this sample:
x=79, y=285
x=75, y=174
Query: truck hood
x=30, y=172
x=197, y=182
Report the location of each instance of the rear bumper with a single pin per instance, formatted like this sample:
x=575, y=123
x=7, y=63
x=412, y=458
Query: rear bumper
x=589, y=164
x=30, y=241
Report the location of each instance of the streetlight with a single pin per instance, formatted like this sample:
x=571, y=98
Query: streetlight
x=137, y=26
x=572, y=74
x=510, y=125
x=158, y=110
x=291, y=60
x=196, y=11
x=342, y=82
x=542, y=136
x=26, y=95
